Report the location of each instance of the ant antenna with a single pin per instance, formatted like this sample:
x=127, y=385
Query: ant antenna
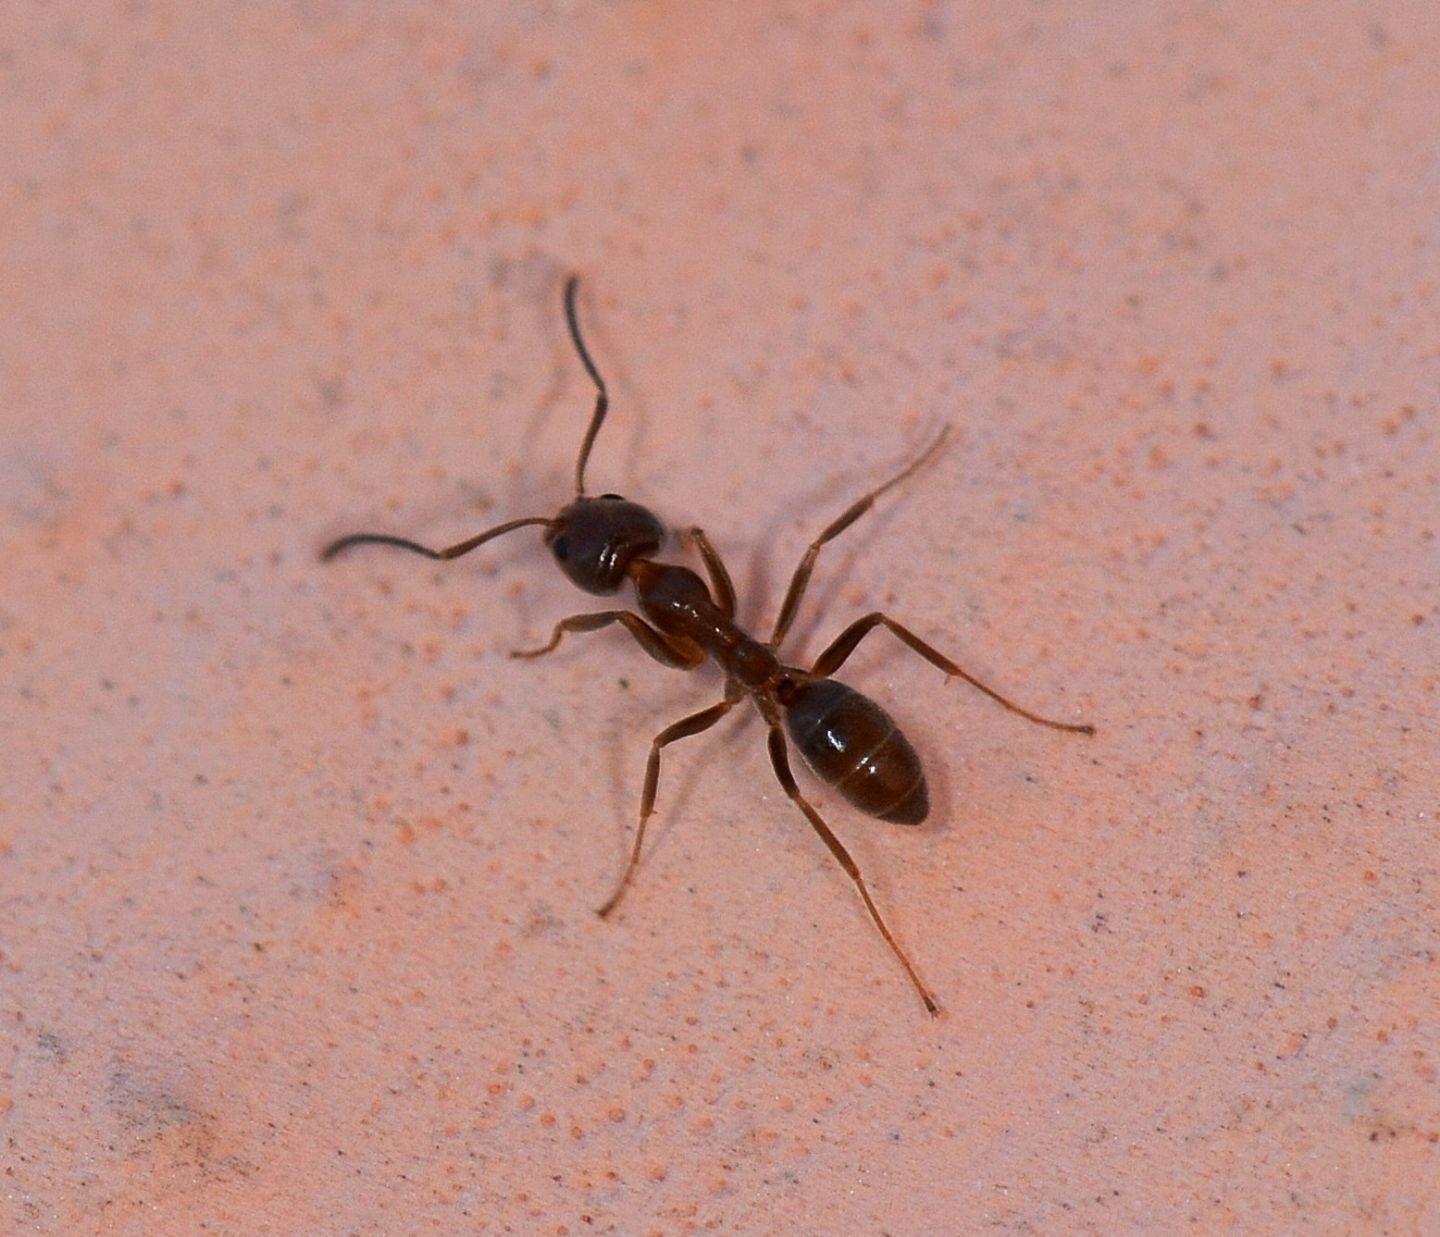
x=602, y=397
x=452, y=551
x=602, y=404
x=911, y=469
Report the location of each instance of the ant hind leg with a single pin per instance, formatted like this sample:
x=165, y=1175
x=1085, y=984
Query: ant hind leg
x=834, y=657
x=780, y=759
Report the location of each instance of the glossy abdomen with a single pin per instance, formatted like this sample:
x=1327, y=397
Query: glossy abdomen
x=855, y=746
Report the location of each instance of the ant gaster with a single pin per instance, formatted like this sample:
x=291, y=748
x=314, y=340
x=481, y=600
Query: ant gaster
x=849, y=741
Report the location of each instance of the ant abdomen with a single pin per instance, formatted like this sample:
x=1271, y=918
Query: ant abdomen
x=855, y=746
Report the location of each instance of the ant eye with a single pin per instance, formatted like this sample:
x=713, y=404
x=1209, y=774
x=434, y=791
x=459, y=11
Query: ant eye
x=560, y=547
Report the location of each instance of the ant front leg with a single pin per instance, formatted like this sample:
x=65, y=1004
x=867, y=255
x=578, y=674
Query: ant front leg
x=696, y=723
x=834, y=657
x=719, y=578
x=781, y=761
x=652, y=641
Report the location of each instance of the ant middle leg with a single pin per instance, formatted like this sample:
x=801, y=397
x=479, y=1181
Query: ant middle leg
x=696, y=723
x=834, y=657
x=781, y=761
x=801, y=579
x=652, y=641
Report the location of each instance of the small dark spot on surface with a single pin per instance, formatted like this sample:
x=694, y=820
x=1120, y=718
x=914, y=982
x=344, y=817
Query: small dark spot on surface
x=53, y=1046
x=331, y=392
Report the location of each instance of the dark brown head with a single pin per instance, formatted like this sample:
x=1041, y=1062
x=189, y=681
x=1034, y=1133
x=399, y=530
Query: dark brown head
x=595, y=539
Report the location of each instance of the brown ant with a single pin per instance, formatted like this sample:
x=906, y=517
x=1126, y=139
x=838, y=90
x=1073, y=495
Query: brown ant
x=849, y=741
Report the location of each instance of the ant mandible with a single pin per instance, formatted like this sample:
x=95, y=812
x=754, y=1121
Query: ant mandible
x=848, y=740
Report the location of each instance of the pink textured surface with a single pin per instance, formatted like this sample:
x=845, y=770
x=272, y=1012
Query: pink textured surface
x=297, y=868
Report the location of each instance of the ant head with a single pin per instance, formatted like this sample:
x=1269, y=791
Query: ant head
x=595, y=539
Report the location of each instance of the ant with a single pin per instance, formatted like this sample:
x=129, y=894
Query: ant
x=848, y=740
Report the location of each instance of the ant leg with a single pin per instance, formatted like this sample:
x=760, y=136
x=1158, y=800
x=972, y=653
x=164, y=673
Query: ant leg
x=719, y=577
x=781, y=761
x=801, y=578
x=652, y=641
x=683, y=729
x=453, y=551
x=834, y=657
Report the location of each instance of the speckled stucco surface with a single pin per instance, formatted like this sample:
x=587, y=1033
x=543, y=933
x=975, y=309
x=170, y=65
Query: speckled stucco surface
x=298, y=869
